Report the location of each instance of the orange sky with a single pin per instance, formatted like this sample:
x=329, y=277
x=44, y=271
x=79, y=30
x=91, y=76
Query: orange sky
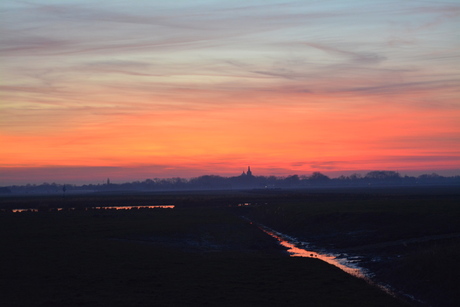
x=136, y=93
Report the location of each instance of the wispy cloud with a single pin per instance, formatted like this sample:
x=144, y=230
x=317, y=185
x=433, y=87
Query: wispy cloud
x=295, y=79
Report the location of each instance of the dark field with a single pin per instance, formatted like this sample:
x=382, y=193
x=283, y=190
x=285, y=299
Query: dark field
x=203, y=254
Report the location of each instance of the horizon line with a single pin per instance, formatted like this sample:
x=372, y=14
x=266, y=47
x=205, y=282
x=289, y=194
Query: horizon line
x=109, y=180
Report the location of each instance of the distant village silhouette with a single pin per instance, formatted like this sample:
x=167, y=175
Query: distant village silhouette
x=248, y=173
x=246, y=180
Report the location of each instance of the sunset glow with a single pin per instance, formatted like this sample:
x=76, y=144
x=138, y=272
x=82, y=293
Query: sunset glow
x=141, y=89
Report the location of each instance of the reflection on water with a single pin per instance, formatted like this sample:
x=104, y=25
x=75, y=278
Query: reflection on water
x=136, y=207
x=244, y=204
x=344, y=264
x=25, y=210
x=100, y=208
x=343, y=261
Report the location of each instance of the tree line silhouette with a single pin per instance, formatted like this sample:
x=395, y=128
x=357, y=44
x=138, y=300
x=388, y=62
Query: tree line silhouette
x=244, y=181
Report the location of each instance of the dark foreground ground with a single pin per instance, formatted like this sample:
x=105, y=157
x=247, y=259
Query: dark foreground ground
x=203, y=254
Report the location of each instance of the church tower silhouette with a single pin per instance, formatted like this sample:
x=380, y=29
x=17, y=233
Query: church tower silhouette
x=249, y=173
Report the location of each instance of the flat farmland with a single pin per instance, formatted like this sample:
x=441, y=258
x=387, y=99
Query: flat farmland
x=188, y=256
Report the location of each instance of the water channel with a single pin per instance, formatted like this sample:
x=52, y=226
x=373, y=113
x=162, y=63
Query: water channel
x=347, y=263
x=102, y=208
x=298, y=248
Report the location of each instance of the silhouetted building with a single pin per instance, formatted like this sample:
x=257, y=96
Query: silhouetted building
x=248, y=173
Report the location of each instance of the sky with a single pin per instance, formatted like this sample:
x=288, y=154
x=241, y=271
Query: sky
x=130, y=90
